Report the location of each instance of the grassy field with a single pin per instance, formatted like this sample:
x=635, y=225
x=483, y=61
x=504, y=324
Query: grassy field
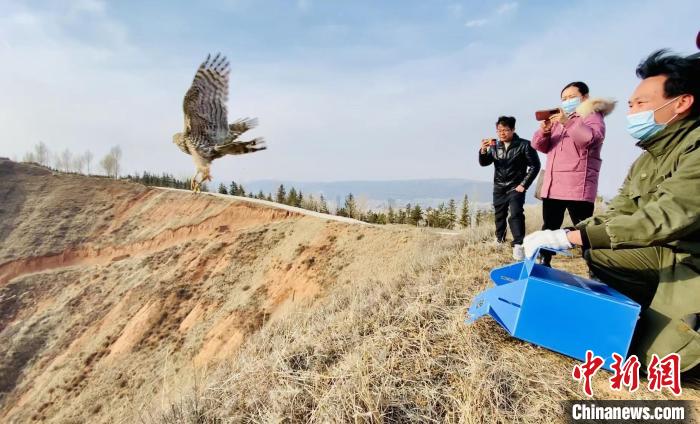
x=398, y=352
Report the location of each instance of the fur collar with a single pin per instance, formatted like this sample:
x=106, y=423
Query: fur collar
x=598, y=104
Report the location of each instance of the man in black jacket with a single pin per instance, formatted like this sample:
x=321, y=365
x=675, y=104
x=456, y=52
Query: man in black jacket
x=516, y=166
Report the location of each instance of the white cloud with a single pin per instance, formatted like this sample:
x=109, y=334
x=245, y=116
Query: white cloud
x=475, y=23
x=507, y=7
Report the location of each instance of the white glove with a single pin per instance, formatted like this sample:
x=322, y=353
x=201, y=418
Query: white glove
x=547, y=238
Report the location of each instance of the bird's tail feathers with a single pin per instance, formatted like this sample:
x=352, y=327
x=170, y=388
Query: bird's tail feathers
x=241, y=147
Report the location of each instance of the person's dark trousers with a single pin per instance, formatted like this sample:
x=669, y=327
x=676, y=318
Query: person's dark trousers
x=508, y=208
x=553, y=216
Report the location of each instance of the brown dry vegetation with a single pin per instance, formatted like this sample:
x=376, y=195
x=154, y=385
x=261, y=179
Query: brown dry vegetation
x=120, y=303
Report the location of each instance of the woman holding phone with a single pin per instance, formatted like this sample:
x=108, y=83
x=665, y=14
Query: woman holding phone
x=572, y=139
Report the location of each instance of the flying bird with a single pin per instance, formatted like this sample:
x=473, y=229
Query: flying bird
x=208, y=135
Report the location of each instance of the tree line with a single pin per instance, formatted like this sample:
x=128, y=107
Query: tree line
x=445, y=215
x=68, y=161
x=162, y=180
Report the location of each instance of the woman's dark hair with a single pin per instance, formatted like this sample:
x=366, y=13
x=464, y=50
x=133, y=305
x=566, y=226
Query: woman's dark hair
x=582, y=87
x=506, y=121
x=682, y=73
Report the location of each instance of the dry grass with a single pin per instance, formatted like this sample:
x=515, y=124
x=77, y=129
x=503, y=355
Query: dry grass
x=399, y=352
x=394, y=352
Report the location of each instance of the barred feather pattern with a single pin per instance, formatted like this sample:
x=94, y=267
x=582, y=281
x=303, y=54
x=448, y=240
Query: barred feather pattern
x=207, y=134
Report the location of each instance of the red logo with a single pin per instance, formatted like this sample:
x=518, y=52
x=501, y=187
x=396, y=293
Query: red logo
x=626, y=374
x=587, y=370
x=665, y=372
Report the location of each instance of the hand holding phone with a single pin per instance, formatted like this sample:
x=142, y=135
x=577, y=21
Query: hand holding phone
x=485, y=143
x=546, y=126
x=544, y=115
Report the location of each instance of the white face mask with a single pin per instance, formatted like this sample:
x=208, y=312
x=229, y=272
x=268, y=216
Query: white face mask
x=569, y=106
x=642, y=125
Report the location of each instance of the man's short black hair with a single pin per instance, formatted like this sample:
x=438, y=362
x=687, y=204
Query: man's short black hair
x=506, y=121
x=682, y=73
x=582, y=87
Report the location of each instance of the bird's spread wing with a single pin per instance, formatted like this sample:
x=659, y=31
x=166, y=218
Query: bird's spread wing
x=205, y=101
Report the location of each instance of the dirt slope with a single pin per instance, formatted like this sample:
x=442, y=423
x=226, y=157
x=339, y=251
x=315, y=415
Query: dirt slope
x=108, y=289
x=121, y=303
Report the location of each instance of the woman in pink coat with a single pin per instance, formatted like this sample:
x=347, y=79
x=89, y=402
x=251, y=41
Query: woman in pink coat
x=572, y=140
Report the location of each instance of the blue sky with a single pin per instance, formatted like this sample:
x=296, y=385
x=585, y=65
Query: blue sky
x=343, y=90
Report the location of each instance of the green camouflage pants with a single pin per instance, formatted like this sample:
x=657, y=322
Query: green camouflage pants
x=667, y=285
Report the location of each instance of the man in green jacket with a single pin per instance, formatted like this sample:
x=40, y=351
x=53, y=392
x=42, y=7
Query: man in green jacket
x=647, y=243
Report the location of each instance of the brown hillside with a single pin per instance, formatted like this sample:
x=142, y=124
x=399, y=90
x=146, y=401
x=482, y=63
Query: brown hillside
x=121, y=303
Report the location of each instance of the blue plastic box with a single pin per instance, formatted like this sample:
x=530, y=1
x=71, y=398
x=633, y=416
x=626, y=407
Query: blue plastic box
x=559, y=311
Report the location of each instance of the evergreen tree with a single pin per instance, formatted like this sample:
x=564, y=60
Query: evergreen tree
x=401, y=216
x=323, y=206
x=281, y=195
x=451, y=214
x=351, y=206
x=391, y=215
x=222, y=189
x=464, y=217
x=441, y=216
x=416, y=215
x=233, y=188
x=300, y=199
x=292, y=197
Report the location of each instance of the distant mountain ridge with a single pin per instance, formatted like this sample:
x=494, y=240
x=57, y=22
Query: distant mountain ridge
x=381, y=193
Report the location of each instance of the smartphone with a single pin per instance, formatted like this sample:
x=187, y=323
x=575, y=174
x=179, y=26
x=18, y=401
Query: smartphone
x=543, y=115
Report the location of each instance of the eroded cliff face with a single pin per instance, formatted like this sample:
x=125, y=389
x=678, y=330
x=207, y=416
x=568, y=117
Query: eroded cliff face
x=114, y=296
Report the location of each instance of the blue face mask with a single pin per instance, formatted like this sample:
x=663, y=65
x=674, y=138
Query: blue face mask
x=570, y=105
x=642, y=125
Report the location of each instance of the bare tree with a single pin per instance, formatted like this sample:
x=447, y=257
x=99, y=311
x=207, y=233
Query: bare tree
x=116, y=153
x=88, y=159
x=29, y=157
x=78, y=163
x=109, y=165
x=41, y=153
x=66, y=160
x=56, y=161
